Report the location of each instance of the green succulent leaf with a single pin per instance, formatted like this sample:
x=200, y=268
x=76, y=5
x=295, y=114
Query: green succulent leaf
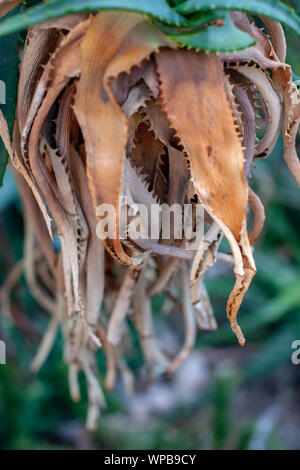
x=226, y=38
x=274, y=9
x=159, y=9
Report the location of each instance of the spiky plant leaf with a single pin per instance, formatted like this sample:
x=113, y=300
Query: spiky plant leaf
x=213, y=38
x=274, y=9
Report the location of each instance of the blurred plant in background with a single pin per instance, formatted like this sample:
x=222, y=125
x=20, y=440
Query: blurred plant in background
x=223, y=397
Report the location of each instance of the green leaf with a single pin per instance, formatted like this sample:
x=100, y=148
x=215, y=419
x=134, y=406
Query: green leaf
x=275, y=352
x=52, y=9
x=9, y=62
x=226, y=38
x=271, y=8
x=296, y=80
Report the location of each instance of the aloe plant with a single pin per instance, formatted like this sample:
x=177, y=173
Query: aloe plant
x=110, y=105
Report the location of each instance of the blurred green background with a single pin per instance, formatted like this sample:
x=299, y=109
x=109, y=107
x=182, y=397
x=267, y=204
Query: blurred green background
x=224, y=397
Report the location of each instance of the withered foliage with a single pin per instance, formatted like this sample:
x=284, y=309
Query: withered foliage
x=7, y=5
x=108, y=106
